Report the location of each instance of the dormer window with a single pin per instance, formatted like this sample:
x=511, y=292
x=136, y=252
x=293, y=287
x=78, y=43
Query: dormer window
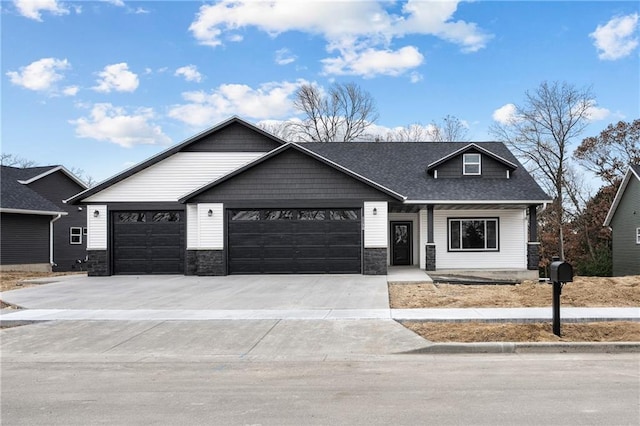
x=471, y=164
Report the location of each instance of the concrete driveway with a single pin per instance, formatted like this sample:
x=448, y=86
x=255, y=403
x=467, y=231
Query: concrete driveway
x=234, y=292
x=146, y=318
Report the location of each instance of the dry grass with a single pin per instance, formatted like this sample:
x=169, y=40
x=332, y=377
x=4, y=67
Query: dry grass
x=583, y=292
x=622, y=331
x=10, y=280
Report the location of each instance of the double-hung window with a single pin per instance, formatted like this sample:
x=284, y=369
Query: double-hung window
x=75, y=235
x=471, y=164
x=470, y=234
x=637, y=235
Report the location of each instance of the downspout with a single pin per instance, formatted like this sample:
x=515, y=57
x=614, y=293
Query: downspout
x=51, y=262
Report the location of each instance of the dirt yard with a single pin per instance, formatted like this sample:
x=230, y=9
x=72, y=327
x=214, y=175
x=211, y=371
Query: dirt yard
x=16, y=280
x=583, y=292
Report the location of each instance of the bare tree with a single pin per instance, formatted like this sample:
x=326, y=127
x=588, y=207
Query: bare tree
x=80, y=174
x=342, y=114
x=280, y=129
x=415, y=132
x=15, y=161
x=451, y=129
x=541, y=131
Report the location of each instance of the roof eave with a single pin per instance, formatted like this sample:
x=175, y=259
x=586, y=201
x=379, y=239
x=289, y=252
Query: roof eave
x=619, y=194
x=33, y=212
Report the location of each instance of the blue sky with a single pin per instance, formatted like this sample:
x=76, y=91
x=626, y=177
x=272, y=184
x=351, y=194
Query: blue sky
x=102, y=85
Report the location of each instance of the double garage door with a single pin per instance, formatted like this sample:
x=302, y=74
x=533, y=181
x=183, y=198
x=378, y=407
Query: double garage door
x=260, y=241
x=290, y=241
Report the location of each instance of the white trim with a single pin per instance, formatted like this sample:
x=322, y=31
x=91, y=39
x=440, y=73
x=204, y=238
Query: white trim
x=435, y=202
x=53, y=170
x=71, y=235
x=38, y=212
x=465, y=164
x=618, y=197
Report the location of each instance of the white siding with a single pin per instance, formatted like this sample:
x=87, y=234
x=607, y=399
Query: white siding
x=415, y=229
x=211, y=228
x=96, y=227
x=424, y=228
x=512, y=241
x=376, y=229
x=192, y=226
x=174, y=176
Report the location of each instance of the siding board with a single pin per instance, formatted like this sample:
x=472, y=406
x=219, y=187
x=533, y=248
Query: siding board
x=490, y=168
x=174, y=177
x=625, y=251
x=233, y=138
x=25, y=239
x=512, y=241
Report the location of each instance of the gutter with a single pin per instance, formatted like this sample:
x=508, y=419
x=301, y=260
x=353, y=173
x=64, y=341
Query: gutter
x=51, y=262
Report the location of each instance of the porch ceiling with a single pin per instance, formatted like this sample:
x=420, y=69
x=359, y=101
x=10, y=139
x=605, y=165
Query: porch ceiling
x=414, y=208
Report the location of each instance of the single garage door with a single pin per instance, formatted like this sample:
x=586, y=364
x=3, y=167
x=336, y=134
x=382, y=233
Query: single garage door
x=148, y=242
x=290, y=241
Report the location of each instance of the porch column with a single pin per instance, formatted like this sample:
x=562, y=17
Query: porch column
x=533, y=246
x=430, y=249
x=376, y=237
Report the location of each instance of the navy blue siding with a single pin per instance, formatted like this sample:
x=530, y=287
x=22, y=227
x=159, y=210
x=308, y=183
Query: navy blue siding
x=25, y=239
x=234, y=138
x=57, y=187
x=291, y=175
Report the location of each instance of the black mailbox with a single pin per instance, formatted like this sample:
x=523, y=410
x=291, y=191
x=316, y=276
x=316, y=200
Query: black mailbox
x=560, y=271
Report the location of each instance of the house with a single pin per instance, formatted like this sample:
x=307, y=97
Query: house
x=624, y=220
x=39, y=232
x=237, y=200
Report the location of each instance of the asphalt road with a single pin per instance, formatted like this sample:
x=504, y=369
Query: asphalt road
x=531, y=389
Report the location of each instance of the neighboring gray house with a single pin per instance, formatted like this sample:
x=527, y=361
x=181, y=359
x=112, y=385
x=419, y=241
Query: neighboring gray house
x=39, y=232
x=624, y=220
x=237, y=200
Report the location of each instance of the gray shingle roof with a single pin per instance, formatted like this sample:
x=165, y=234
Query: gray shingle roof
x=14, y=195
x=401, y=167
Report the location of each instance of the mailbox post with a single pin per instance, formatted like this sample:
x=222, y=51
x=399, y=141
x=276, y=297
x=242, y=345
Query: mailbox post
x=560, y=273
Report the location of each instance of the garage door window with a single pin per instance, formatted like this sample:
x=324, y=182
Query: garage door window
x=245, y=215
x=130, y=217
x=166, y=217
x=311, y=215
x=278, y=214
x=343, y=214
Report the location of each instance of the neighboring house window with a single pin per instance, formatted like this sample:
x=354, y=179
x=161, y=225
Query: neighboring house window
x=473, y=234
x=84, y=231
x=471, y=164
x=75, y=235
x=637, y=235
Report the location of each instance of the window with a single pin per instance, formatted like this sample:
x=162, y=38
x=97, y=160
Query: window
x=471, y=164
x=637, y=235
x=343, y=214
x=84, y=231
x=473, y=234
x=131, y=217
x=75, y=235
x=166, y=217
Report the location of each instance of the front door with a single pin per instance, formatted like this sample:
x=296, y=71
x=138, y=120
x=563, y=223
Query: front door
x=401, y=243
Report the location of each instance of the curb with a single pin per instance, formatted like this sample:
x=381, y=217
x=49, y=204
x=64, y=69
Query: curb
x=527, y=347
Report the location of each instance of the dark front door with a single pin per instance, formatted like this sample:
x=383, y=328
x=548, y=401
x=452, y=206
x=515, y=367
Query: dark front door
x=401, y=243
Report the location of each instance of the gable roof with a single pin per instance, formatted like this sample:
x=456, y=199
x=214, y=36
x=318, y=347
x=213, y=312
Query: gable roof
x=167, y=153
x=470, y=147
x=16, y=197
x=289, y=146
x=401, y=167
x=633, y=171
x=41, y=172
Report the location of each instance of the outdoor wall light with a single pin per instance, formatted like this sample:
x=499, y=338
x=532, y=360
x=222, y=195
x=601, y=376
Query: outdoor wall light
x=210, y=213
x=96, y=213
x=375, y=211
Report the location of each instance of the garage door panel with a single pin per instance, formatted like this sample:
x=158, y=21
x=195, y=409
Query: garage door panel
x=148, y=242
x=294, y=241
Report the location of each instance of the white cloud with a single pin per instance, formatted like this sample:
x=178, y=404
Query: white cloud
x=40, y=75
x=116, y=77
x=371, y=62
x=505, y=114
x=284, y=57
x=190, y=73
x=415, y=77
x=597, y=113
x=617, y=38
x=360, y=31
x=113, y=124
x=70, y=90
x=269, y=100
x=118, y=3
x=32, y=8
